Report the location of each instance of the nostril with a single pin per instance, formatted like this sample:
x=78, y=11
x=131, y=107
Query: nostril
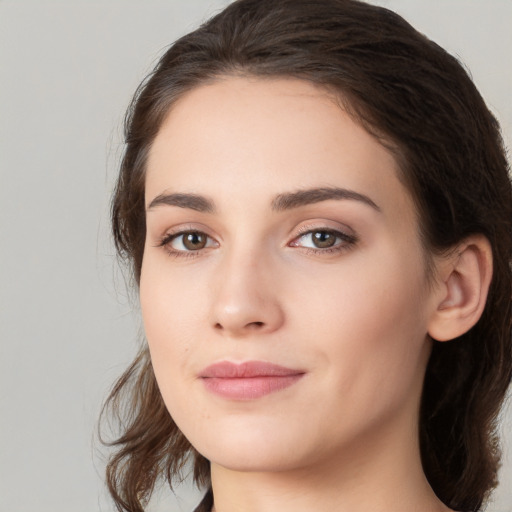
x=249, y=326
x=256, y=324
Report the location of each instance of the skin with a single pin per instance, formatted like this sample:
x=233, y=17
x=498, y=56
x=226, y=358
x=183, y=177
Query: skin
x=354, y=319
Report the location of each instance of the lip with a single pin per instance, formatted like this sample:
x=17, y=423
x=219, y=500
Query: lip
x=249, y=380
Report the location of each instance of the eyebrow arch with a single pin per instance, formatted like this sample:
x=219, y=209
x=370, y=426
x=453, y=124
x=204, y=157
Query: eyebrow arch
x=191, y=201
x=290, y=200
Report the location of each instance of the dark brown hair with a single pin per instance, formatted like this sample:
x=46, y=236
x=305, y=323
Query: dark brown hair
x=418, y=101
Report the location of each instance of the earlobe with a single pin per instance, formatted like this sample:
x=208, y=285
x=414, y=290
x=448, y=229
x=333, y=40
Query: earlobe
x=465, y=277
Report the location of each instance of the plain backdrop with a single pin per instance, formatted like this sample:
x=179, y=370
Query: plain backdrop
x=67, y=326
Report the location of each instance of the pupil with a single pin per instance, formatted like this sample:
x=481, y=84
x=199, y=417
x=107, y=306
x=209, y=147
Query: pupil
x=323, y=239
x=194, y=241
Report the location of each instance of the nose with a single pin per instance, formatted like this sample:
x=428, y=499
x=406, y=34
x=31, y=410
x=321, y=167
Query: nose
x=245, y=299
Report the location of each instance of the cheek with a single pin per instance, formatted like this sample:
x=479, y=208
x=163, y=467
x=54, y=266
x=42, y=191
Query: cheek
x=369, y=326
x=170, y=311
x=170, y=299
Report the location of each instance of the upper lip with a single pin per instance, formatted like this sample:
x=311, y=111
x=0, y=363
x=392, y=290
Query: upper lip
x=227, y=369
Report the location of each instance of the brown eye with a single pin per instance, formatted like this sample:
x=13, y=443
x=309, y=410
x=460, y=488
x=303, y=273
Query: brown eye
x=323, y=239
x=194, y=241
x=187, y=242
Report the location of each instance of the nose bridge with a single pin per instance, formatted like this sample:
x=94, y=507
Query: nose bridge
x=244, y=299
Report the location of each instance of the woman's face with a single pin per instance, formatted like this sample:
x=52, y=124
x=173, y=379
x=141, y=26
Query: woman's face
x=278, y=232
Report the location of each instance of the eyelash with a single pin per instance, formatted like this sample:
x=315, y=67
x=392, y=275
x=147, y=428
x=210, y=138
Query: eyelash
x=347, y=241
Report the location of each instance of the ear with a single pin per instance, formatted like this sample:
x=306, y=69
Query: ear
x=464, y=278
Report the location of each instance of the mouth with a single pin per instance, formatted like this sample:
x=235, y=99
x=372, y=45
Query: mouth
x=249, y=380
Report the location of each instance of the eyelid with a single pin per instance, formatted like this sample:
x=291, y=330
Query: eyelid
x=179, y=229
x=323, y=225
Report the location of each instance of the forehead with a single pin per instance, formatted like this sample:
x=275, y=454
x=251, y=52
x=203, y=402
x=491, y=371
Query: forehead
x=266, y=136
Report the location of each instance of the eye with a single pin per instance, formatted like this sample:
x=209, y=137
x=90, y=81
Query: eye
x=186, y=241
x=321, y=239
x=324, y=240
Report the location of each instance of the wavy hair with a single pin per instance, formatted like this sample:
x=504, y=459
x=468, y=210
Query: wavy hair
x=420, y=102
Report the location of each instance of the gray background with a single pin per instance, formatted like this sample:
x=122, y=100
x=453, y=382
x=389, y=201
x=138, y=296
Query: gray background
x=67, y=326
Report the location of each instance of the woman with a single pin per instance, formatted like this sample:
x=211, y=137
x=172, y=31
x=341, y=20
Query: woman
x=315, y=204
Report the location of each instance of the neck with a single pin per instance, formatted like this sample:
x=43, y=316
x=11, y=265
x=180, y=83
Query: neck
x=384, y=473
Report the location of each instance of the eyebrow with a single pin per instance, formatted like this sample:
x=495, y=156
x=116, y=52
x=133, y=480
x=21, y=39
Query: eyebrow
x=191, y=201
x=290, y=200
x=282, y=202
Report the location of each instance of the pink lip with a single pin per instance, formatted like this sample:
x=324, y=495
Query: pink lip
x=249, y=380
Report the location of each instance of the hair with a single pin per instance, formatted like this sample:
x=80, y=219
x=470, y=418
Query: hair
x=420, y=102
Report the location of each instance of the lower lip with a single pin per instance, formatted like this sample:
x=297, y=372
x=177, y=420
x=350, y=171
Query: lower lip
x=251, y=387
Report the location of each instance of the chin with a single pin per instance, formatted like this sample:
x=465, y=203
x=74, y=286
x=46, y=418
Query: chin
x=259, y=450
x=249, y=450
